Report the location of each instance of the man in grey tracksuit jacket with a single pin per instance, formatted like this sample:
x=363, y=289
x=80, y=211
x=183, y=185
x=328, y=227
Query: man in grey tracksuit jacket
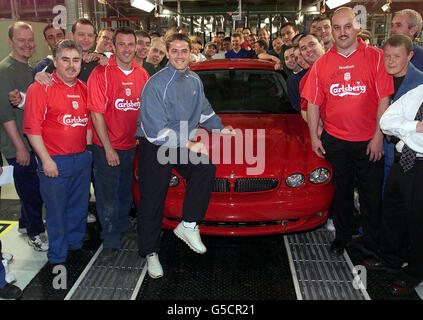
x=173, y=105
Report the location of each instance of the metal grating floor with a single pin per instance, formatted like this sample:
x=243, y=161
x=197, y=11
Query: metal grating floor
x=112, y=279
x=320, y=274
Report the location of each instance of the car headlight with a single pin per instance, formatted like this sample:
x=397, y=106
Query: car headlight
x=319, y=175
x=174, y=181
x=295, y=180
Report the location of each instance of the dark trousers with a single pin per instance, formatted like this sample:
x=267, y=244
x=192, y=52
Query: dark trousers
x=349, y=160
x=27, y=185
x=402, y=219
x=2, y=272
x=154, y=183
x=113, y=193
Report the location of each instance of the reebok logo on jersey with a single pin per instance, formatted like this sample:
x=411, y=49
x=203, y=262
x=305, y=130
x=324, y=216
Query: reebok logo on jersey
x=74, y=121
x=337, y=90
x=125, y=105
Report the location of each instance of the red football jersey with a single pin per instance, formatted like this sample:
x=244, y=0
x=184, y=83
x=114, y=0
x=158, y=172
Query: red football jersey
x=59, y=114
x=118, y=97
x=350, y=88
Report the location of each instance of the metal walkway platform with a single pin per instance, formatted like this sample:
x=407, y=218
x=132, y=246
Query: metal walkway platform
x=319, y=274
x=117, y=278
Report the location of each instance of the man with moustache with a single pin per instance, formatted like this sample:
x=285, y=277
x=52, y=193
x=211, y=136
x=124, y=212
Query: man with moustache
x=114, y=101
x=15, y=73
x=165, y=108
x=352, y=83
x=55, y=122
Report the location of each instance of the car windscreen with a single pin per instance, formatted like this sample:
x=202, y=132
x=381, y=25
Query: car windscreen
x=246, y=91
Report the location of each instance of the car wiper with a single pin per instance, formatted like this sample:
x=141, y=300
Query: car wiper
x=242, y=111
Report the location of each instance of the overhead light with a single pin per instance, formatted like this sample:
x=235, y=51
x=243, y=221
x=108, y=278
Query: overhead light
x=386, y=7
x=143, y=5
x=336, y=3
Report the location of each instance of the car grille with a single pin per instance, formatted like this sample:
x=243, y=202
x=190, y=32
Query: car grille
x=221, y=185
x=245, y=184
x=255, y=184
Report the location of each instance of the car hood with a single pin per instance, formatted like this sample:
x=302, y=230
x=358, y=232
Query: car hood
x=266, y=145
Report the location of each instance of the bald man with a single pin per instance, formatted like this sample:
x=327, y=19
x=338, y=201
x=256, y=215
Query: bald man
x=354, y=87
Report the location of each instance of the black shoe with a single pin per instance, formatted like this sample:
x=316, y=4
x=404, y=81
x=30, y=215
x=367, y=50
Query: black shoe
x=108, y=255
x=337, y=247
x=378, y=265
x=10, y=292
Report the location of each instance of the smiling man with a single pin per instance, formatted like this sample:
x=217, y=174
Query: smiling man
x=173, y=102
x=15, y=73
x=352, y=84
x=56, y=119
x=114, y=100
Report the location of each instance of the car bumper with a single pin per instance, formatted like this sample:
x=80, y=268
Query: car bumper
x=258, y=214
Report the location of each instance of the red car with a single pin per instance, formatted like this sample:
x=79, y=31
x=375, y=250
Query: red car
x=267, y=182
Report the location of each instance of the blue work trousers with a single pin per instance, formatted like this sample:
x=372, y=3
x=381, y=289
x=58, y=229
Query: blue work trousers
x=66, y=198
x=27, y=185
x=113, y=193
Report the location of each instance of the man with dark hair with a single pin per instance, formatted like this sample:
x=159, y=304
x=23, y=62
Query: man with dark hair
x=324, y=31
x=287, y=32
x=143, y=46
x=83, y=33
x=114, y=101
x=51, y=37
x=104, y=42
x=16, y=75
x=164, y=110
x=56, y=119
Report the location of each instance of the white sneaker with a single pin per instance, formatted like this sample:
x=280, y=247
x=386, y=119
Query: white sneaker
x=154, y=268
x=8, y=257
x=22, y=230
x=329, y=225
x=191, y=236
x=9, y=276
x=38, y=243
x=91, y=218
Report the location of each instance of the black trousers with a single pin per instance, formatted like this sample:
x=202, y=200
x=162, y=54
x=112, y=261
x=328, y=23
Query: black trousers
x=349, y=160
x=402, y=219
x=153, y=186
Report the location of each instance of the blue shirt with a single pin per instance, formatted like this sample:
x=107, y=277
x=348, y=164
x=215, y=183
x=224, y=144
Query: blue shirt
x=173, y=105
x=417, y=59
x=293, y=87
x=231, y=54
